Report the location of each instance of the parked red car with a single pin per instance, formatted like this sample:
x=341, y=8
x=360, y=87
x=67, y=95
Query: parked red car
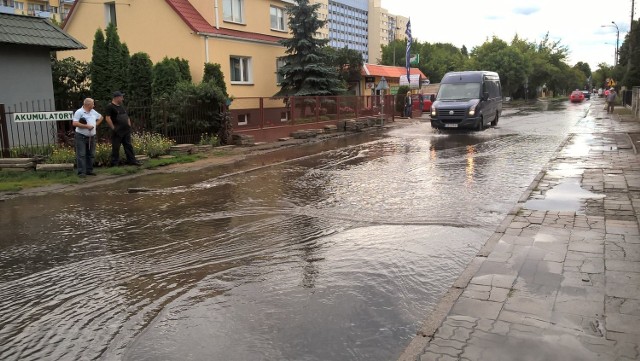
x=576, y=96
x=426, y=103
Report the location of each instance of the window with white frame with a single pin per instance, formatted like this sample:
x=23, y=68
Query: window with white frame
x=19, y=5
x=280, y=62
x=110, y=13
x=233, y=10
x=240, y=69
x=278, y=18
x=243, y=119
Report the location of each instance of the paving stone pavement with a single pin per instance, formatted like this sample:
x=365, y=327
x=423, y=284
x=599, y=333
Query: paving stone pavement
x=556, y=283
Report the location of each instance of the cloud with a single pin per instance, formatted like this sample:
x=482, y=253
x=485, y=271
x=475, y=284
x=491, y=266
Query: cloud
x=526, y=10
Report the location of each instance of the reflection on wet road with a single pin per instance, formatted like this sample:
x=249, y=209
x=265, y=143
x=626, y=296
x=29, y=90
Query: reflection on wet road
x=335, y=255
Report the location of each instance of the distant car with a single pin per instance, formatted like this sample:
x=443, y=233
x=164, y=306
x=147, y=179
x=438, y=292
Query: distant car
x=426, y=103
x=576, y=96
x=587, y=94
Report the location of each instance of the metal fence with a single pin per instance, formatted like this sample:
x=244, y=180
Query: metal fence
x=635, y=101
x=188, y=122
x=37, y=136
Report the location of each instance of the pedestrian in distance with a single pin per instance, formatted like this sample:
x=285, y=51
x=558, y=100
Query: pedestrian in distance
x=85, y=120
x=421, y=100
x=119, y=121
x=611, y=100
x=407, y=105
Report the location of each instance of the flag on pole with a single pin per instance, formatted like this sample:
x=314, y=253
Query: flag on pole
x=408, y=55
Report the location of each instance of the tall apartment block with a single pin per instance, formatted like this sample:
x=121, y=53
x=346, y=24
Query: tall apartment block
x=361, y=25
x=56, y=10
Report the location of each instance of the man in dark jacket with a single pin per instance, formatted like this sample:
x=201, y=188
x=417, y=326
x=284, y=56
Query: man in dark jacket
x=118, y=120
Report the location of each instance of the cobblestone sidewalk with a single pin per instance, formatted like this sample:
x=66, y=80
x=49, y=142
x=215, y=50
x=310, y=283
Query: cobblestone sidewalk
x=555, y=283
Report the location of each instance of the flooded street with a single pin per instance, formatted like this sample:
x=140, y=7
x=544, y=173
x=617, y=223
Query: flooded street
x=336, y=252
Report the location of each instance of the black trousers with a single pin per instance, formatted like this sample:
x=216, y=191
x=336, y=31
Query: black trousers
x=125, y=140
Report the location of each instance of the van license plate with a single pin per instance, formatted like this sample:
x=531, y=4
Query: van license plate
x=451, y=125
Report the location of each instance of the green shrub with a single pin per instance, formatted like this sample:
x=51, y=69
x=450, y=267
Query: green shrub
x=62, y=154
x=151, y=144
x=209, y=139
x=30, y=151
x=103, y=154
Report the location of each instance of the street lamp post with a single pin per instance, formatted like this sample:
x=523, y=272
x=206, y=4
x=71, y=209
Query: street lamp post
x=394, y=46
x=617, y=40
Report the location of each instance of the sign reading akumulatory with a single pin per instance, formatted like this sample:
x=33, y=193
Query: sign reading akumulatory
x=42, y=116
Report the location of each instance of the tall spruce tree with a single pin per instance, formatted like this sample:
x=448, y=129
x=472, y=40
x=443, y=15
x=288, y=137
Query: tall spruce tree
x=98, y=69
x=307, y=70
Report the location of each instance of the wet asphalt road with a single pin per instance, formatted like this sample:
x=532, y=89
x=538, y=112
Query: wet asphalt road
x=336, y=255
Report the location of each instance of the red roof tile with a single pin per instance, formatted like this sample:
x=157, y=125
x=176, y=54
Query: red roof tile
x=199, y=24
x=389, y=71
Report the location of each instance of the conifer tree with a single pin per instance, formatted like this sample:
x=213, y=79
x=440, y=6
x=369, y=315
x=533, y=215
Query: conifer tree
x=140, y=78
x=213, y=73
x=98, y=68
x=117, y=60
x=166, y=76
x=183, y=65
x=306, y=70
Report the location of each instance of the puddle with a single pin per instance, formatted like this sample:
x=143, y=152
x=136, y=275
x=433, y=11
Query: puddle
x=566, y=196
x=566, y=170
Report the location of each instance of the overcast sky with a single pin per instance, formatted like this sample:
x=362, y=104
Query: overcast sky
x=577, y=24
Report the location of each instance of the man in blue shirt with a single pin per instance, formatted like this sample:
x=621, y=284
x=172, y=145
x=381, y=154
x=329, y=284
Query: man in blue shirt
x=85, y=120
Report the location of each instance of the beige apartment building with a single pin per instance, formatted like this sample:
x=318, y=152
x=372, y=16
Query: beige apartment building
x=383, y=28
x=55, y=10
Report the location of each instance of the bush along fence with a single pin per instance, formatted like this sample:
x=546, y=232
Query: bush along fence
x=37, y=128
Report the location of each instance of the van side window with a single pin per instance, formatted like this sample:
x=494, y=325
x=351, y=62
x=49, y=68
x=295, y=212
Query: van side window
x=493, y=88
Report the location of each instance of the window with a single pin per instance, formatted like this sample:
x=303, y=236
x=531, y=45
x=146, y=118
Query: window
x=243, y=119
x=232, y=10
x=110, y=13
x=19, y=5
x=8, y=3
x=240, y=69
x=278, y=19
x=280, y=62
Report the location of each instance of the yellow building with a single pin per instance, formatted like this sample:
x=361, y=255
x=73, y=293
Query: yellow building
x=55, y=10
x=241, y=35
x=323, y=14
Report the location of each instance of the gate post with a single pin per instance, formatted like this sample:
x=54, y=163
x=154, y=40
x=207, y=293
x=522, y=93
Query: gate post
x=4, y=132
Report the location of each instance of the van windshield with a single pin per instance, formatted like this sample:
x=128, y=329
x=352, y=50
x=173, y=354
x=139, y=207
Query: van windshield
x=459, y=91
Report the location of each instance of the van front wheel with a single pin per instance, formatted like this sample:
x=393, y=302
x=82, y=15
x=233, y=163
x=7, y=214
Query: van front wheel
x=495, y=120
x=480, y=124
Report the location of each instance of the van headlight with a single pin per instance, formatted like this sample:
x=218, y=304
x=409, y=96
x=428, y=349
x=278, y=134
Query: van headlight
x=433, y=111
x=472, y=108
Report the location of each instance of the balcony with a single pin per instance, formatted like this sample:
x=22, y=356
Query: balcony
x=42, y=14
x=7, y=9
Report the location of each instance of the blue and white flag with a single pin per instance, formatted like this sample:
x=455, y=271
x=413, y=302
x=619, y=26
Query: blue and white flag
x=408, y=55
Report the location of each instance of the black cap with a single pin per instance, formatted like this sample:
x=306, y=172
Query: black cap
x=118, y=93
